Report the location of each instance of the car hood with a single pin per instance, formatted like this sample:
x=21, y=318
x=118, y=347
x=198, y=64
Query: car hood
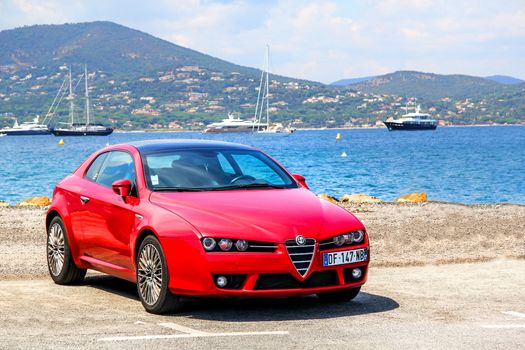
x=271, y=215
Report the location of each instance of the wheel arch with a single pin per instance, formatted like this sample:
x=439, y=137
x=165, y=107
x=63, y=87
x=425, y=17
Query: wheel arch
x=145, y=232
x=53, y=213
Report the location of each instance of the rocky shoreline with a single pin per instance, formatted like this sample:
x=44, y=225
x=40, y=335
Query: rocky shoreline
x=401, y=234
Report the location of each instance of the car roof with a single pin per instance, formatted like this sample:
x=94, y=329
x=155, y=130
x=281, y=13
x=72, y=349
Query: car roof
x=148, y=146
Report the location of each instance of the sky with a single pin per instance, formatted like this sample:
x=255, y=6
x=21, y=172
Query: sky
x=317, y=40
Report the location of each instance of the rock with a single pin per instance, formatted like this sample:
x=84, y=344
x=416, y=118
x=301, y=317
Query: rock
x=35, y=201
x=4, y=204
x=360, y=198
x=412, y=198
x=328, y=198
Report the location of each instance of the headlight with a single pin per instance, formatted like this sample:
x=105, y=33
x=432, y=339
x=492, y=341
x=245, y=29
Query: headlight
x=339, y=240
x=241, y=245
x=209, y=244
x=225, y=244
x=358, y=236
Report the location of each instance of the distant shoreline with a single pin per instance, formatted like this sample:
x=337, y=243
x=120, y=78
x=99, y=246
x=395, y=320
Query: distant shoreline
x=316, y=129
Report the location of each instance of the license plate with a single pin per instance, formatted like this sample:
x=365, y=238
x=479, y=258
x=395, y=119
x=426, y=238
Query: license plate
x=345, y=257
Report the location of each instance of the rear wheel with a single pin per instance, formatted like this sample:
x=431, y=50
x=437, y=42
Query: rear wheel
x=60, y=263
x=153, y=279
x=340, y=295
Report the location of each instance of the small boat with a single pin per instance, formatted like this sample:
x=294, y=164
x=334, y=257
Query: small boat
x=80, y=129
x=26, y=128
x=3, y=135
x=233, y=124
x=412, y=121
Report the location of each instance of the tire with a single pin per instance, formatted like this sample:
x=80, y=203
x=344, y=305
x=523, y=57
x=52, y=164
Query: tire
x=60, y=264
x=153, y=279
x=339, y=296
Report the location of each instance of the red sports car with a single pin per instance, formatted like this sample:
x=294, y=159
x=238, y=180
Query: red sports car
x=202, y=218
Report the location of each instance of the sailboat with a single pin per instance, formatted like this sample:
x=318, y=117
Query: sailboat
x=263, y=125
x=78, y=129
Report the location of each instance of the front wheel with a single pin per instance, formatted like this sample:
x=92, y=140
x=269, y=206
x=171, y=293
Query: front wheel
x=60, y=263
x=153, y=279
x=340, y=295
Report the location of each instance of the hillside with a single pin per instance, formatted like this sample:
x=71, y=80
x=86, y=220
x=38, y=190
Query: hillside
x=103, y=46
x=139, y=81
x=431, y=86
x=505, y=79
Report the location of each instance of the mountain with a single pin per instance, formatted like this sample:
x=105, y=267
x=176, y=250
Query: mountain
x=346, y=82
x=505, y=79
x=430, y=86
x=103, y=46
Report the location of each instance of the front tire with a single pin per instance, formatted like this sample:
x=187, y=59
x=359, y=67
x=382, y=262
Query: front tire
x=339, y=296
x=153, y=279
x=60, y=263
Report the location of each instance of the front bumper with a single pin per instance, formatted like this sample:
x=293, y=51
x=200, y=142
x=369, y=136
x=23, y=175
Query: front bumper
x=192, y=272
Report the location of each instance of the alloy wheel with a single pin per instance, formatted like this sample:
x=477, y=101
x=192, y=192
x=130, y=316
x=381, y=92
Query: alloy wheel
x=150, y=274
x=55, y=249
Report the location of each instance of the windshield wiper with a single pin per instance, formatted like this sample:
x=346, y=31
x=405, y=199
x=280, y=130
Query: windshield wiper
x=255, y=185
x=179, y=189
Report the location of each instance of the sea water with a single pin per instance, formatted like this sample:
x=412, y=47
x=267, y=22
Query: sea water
x=459, y=164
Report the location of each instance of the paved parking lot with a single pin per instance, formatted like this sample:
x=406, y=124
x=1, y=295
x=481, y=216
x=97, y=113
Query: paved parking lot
x=478, y=306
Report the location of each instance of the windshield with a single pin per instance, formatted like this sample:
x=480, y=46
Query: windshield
x=207, y=170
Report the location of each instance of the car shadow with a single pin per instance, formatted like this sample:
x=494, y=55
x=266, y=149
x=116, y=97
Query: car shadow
x=113, y=285
x=257, y=309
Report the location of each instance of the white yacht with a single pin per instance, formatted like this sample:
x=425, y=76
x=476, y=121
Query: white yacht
x=26, y=128
x=412, y=121
x=234, y=124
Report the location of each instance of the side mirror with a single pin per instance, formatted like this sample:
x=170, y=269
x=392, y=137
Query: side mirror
x=301, y=180
x=122, y=187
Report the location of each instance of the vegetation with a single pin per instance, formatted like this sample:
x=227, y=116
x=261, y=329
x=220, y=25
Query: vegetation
x=139, y=81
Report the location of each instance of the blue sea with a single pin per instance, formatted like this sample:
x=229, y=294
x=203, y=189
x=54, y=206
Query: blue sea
x=460, y=164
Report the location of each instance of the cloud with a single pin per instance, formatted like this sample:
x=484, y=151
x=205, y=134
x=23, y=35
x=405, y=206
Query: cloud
x=317, y=40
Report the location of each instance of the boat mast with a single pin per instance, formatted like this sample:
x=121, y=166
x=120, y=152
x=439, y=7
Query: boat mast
x=267, y=85
x=87, y=94
x=71, y=99
x=257, y=116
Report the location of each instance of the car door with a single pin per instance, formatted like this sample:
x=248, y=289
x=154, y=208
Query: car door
x=109, y=220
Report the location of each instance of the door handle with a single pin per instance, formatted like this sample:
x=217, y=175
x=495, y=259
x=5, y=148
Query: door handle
x=84, y=199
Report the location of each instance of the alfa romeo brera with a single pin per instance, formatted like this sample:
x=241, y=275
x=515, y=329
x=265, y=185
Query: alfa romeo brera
x=202, y=218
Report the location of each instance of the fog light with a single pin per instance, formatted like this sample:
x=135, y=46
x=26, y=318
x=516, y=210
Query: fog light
x=241, y=245
x=225, y=244
x=209, y=243
x=358, y=236
x=356, y=273
x=221, y=281
x=339, y=240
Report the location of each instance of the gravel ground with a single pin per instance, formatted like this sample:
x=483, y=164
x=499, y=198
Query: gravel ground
x=400, y=234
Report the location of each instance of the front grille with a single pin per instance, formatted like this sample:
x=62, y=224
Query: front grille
x=301, y=255
x=287, y=281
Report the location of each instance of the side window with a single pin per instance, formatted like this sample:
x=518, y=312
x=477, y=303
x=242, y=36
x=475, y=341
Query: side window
x=94, y=168
x=118, y=165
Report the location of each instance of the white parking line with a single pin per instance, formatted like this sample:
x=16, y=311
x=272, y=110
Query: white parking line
x=178, y=327
x=514, y=313
x=504, y=326
x=176, y=336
